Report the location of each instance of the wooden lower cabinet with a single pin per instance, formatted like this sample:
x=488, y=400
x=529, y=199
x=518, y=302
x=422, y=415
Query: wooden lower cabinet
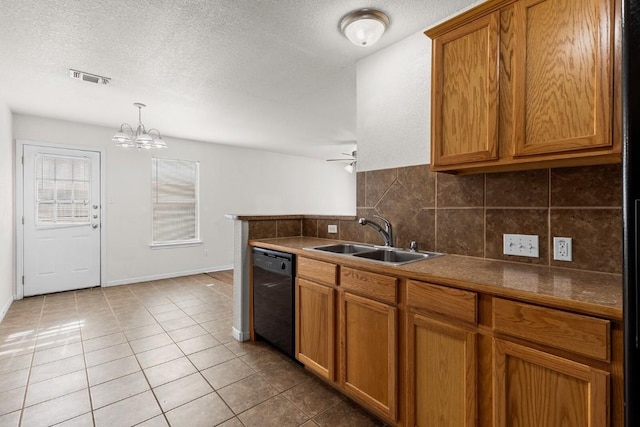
x=315, y=328
x=424, y=354
x=441, y=373
x=537, y=389
x=368, y=352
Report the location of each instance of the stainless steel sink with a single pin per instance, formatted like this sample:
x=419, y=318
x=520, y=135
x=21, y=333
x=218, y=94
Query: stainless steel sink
x=384, y=255
x=345, y=248
x=395, y=256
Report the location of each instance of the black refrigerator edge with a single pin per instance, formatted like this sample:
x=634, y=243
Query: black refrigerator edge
x=631, y=205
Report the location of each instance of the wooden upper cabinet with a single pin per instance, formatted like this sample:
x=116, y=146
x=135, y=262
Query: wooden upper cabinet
x=563, y=75
x=465, y=93
x=522, y=84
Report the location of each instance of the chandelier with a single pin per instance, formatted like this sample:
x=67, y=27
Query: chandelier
x=126, y=137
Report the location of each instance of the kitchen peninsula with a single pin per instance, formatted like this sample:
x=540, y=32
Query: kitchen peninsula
x=491, y=338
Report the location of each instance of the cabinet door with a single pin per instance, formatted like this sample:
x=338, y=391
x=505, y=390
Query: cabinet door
x=465, y=93
x=441, y=374
x=368, y=352
x=537, y=389
x=315, y=333
x=563, y=75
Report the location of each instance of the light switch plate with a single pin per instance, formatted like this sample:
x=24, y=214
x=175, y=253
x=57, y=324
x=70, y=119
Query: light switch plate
x=521, y=245
x=332, y=228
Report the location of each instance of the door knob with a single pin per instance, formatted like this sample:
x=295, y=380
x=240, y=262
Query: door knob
x=95, y=206
x=94, y=225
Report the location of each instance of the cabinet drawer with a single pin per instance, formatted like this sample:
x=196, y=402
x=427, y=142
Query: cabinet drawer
x=576, y=333
x=318, y=271
x=377, y=286
x=456, y=303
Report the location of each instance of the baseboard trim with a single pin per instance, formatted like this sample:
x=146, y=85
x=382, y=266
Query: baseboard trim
x=131, y=280
x=239, y=335
x=5, y=308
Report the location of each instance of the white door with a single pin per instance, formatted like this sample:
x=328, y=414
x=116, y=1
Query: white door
x=61, y=197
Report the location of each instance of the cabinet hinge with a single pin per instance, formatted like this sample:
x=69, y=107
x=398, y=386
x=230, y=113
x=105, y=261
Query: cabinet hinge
x=22, y=280
x=22, y=220
x=22, y=159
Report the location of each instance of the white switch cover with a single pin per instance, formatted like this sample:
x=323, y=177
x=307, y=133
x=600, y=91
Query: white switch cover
x=332, y=228
x=521, y=245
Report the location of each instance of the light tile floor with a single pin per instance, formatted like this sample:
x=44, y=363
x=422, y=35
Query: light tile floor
x=152, y=354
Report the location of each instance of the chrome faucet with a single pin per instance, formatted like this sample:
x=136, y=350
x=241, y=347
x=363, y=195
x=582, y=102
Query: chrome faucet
x=387, y=233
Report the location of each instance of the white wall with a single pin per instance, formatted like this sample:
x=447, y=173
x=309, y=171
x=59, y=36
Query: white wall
x=233, y=180
x=393, y=105
x=7, y=275
x=394, y=100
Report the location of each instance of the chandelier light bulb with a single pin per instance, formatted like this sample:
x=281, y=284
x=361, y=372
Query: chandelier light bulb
x=126, y=137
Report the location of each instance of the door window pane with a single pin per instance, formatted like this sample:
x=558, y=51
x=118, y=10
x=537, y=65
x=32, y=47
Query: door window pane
x=62, y=190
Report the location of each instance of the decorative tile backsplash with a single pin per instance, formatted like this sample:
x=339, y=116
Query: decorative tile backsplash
x=468, y=215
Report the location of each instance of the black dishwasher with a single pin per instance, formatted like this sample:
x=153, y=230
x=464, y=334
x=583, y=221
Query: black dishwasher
x=273, y=298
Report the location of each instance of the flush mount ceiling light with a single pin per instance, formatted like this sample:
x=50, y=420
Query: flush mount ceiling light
x=365, y=26
x=126, y=137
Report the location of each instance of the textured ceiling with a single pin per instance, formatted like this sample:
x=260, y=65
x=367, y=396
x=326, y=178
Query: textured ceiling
x=270, y=74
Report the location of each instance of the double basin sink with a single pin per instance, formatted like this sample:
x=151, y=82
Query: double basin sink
x=382, y=254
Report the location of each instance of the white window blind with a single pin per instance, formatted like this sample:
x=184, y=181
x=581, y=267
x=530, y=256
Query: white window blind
x=175, y=201
x=62, y=190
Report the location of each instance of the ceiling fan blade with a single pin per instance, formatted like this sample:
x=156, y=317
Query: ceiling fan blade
x=351, y=157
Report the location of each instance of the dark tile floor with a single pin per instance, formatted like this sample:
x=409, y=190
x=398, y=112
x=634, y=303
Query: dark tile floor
x=152, y=354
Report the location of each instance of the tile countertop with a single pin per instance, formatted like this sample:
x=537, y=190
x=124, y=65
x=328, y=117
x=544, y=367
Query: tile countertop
x=592, y=293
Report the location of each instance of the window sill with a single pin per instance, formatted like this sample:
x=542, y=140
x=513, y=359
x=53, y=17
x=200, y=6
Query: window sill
x=184, y=244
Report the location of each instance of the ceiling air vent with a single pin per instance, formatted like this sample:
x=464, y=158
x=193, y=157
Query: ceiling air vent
x=88, y=77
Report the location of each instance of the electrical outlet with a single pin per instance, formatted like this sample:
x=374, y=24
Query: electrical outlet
x=332, y=228
x=562, y=249
x=520, y=245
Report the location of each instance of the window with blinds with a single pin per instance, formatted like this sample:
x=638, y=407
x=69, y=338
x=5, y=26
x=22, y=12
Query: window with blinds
x=175, y=201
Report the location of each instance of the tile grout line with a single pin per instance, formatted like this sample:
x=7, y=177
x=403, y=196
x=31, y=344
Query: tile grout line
x=549, y=204
x=435, y=213
x=164, y=413
x=33, y=355
x=200, y=371
x=484, y=215
x=200, y=297
x=86, y=369
x=311, y=418
x=137, y=361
